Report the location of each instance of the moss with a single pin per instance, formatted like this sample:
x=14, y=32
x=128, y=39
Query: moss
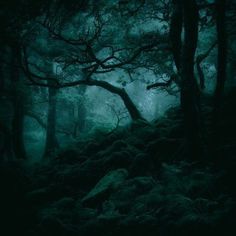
x=109, y=183
x=141, y=165
x=163, y=192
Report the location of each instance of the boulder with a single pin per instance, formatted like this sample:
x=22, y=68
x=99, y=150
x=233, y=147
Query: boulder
x=70, y=156
x=115, y=160
x=85, y=214
x=130, y=190
x=108, y=184
x=116, y=146
x=38, y=196
x=65, y=203
x=141, y=165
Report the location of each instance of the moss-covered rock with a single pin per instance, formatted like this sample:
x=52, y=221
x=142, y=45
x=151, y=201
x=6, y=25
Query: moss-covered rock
x=109, y=183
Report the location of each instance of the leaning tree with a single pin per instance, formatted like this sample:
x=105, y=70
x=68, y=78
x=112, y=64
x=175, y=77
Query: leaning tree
x=91, y=53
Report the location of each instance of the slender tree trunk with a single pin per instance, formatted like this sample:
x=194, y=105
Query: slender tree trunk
x=18, y=128
x=51, y=140
x=231, y=82
x=18, y=106
x=6, y=149
x=189, y=89
x=176, y=30
x=222, y=54
x=80, y=113
x=2, y=80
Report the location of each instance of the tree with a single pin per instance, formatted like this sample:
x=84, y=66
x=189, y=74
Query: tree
x=86, y=62
x=176, y=30
x=185, y=17
x=79, y=113
x=51, y=140
x=222, y=54
x=14, y=14
x=14, y=19
x=18, y=105
x=189, y=89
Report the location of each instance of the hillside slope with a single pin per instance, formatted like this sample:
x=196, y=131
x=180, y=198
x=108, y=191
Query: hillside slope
x=136, y=181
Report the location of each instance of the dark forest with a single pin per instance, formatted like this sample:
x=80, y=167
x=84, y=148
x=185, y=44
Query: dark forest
x=117, y=117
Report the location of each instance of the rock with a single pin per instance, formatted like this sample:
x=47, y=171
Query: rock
x=125, y=197
x=109, y=213
x=54, y=226
x=116, y=160
x=51, y=193
x=92, y=148
x=38, y=196
x=144, y=220
x=136, y=142
x=141, y=165
x=81, y=177
x=65, y=203
x=85, y=214
x=104, y=187
x=177, y=206
x=155, y=198
x=142, y=183
x=163, y=148
x=70, y=156
x=116, y=146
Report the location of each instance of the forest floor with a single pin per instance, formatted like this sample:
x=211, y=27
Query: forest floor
x=135, y=181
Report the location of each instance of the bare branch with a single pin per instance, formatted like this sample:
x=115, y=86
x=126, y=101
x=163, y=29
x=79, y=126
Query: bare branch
x=32, y=76
x=162, y=84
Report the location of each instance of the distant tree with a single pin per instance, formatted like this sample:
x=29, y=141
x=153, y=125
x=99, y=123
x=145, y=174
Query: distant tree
x=18, y=105
x=79, y=110
x=14, y=27
x=13, y=16
x=51, y=139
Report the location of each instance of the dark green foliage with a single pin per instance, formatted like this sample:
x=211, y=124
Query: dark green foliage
x=163, y=194
x=114, y=169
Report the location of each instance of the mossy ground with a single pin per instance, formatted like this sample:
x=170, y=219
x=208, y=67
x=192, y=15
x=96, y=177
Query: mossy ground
x=165, y=193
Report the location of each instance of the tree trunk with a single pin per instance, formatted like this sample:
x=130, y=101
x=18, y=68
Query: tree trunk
x=6, y=149
x=51, y=140
x=18, y=107
x=222, y=54
x=80, y=113
x=2, y=80
x=189, y=89
x=176, y=30
x=18, y=128
x=132, y=109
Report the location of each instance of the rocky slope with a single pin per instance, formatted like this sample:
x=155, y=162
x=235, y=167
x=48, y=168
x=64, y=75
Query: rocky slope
x=136, y=181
